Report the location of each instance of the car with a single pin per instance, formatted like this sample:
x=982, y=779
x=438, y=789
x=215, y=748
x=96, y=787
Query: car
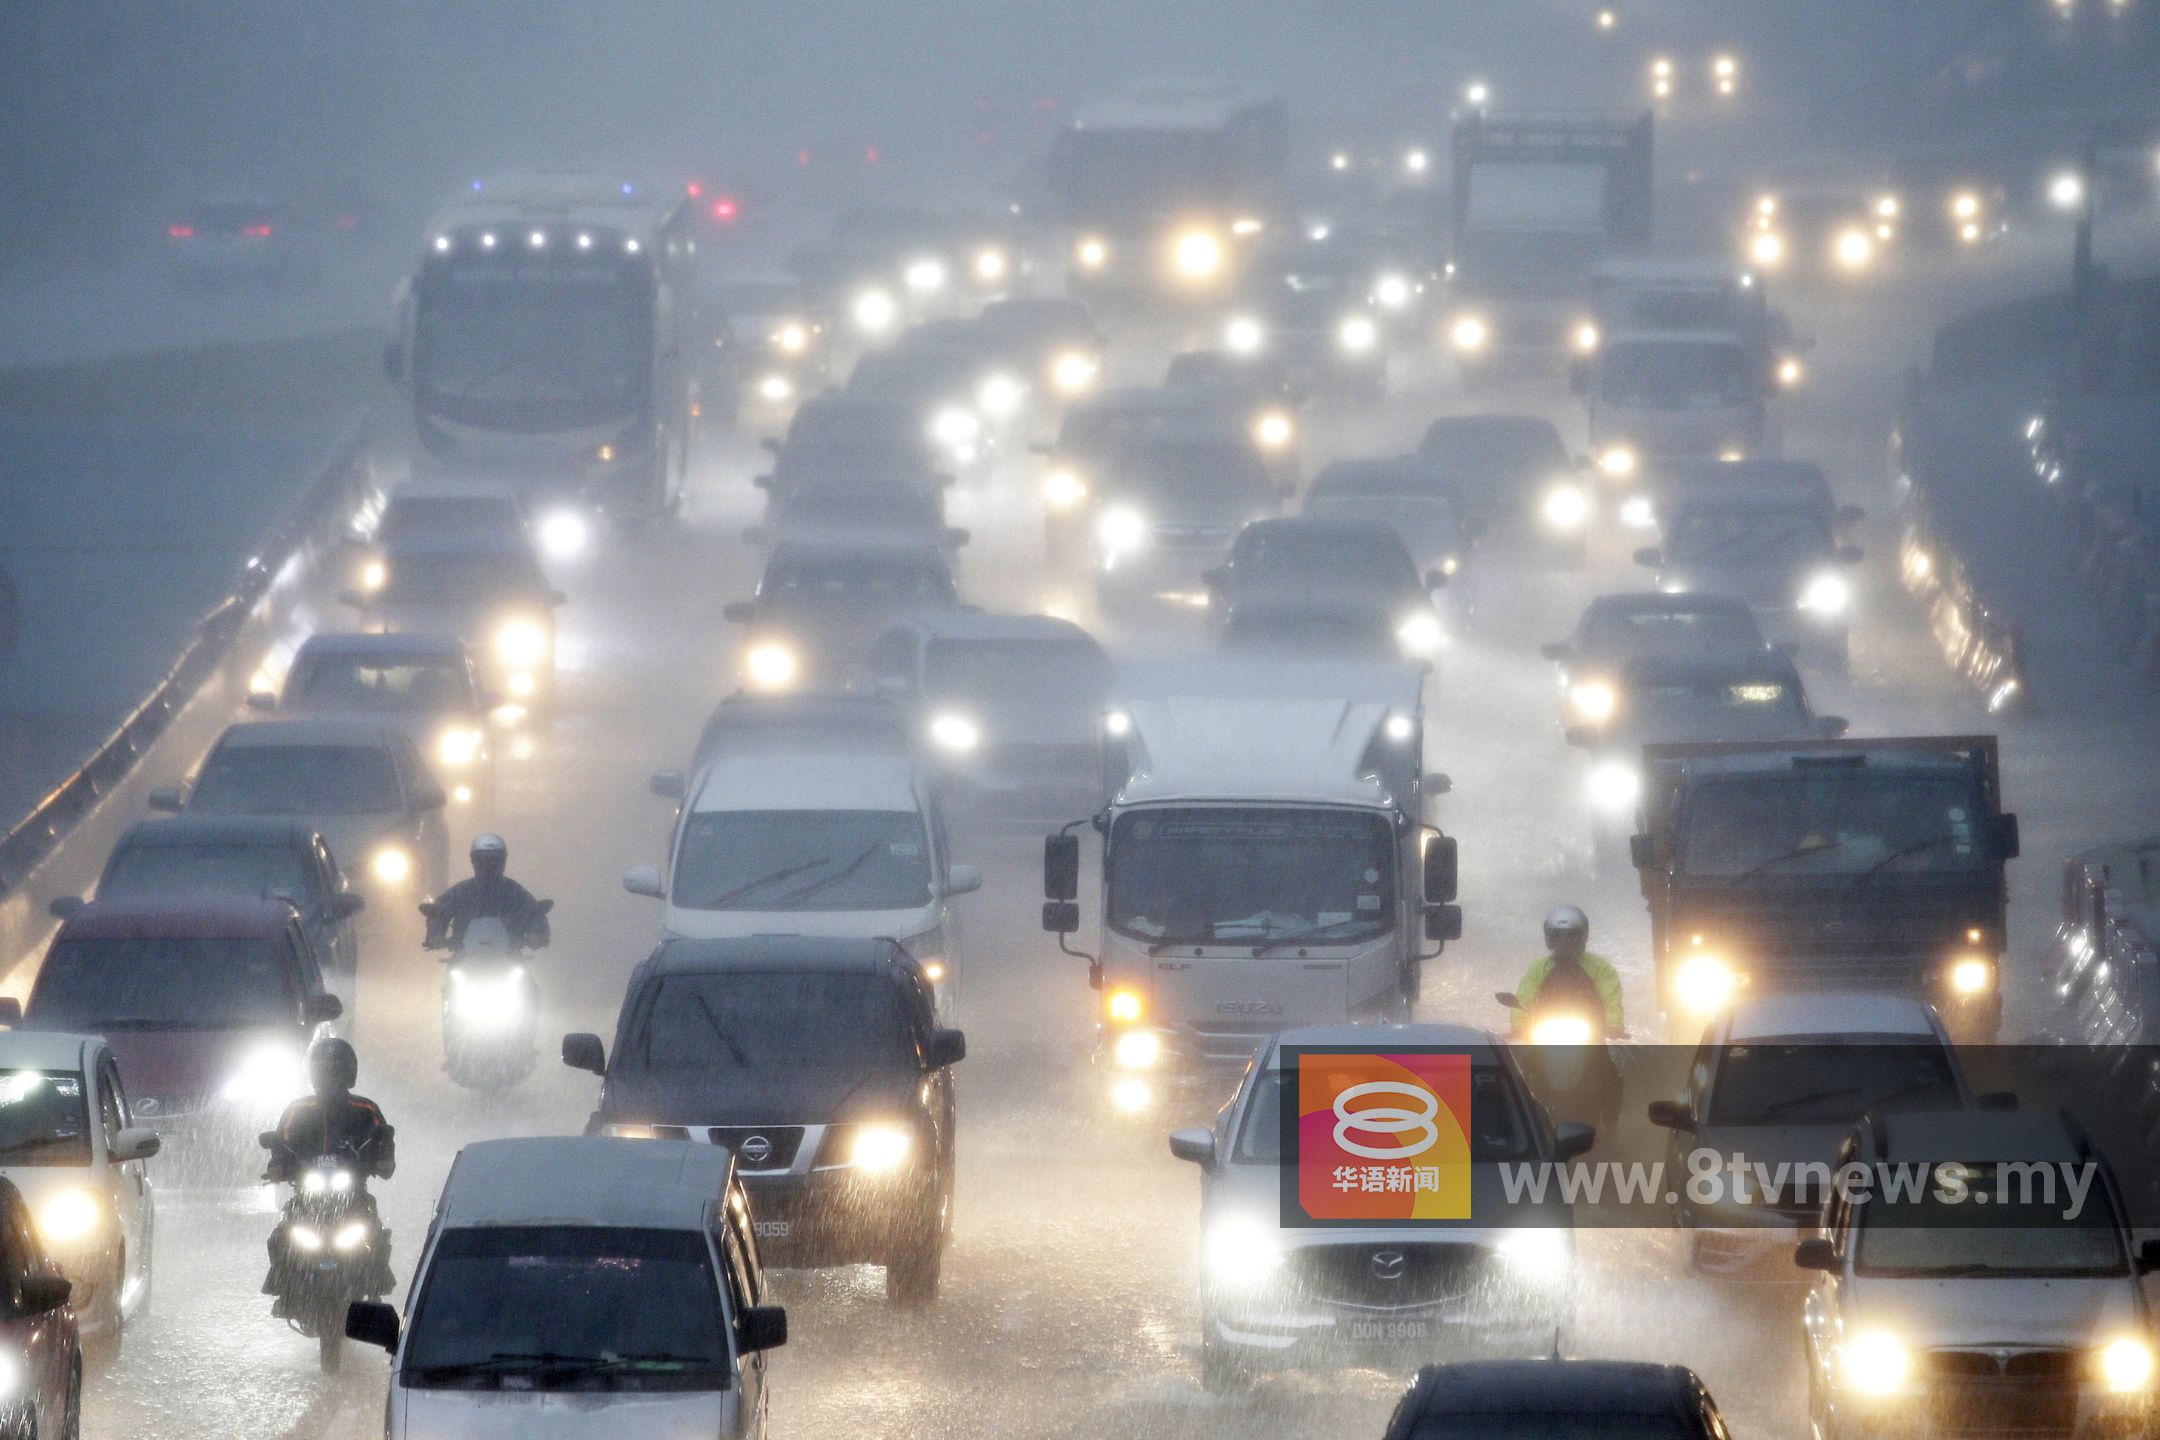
x=942, y=387
x=813, y=844
x=1051, y=338
x=364, y=787
x=245, y=857
x=71, y=1149
x=820, y=1063
x=41, y=1353
x=1311, y=308
x=1274, y=1296
x=490, y=594
x=1007, y=710
x=1293, y=629
x=241, y=240
x=1816, y=233
x=1513, y=474
x=854, y=508
x=442, y=509
x=1783, y=1079
x=423, y=684
x=1556, y=1399
x=780, y=351
x=1249, y=395
x=858, y=444
x=1800, y=481
x=751, y=723
x=818, y=607
x=1169, y=510
x=574, y=1282
x=1915, y=1313
x=1413, y=499
x=1094, y=435
x=209, y=1006
x=1293, y=560
x=1615, y=629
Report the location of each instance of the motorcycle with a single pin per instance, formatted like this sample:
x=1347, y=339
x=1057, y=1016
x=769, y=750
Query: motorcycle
x=1565, y=1053
x=329, y=1250
x=490, y=1007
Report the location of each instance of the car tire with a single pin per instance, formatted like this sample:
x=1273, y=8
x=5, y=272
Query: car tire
x=1219, y=1373
x=912, y=1280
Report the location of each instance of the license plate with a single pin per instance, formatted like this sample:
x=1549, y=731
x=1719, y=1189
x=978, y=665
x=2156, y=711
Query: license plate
x=771, y=1229
x=1385, y=1331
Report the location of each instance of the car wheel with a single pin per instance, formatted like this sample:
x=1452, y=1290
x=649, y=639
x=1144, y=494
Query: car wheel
x=104, y=1347
x=913, y=1277
x=1219, y=1373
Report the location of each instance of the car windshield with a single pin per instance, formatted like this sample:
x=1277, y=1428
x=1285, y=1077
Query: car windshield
x=567, y=1307
x=1833, y=822
x=164, y=983
x=483, y=517
x=43, y=1120
x=428, y=683
x=1103, y=431
x=1809, y=1082
x=1068, y=674
x=1239, y=876
x=1214, y=472
x=462, y=577
x=1635, y=634
x=2030, y=1229
x=533, y=346
x=298, y=780
x=1674, y=376
x=1593, y=1424
x=247, y=871
x=1747, y=538
x=1407, y=482
x=758, y=1021
x=1500, y=1125
x=857, y=581
x=1320, y=634
x=1751, y=708
x=1495, y=456
x=802, y=860
x=1304, y=557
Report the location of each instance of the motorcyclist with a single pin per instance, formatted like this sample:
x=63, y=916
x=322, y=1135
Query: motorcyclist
x=333, y=1120
x=489, y=894
x=1569, y=969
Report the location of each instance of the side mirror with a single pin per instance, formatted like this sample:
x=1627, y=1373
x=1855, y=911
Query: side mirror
x=1831, y=727
x=1582, y=737
x=1194, y=1145
x=761, y=1327
x=583, y=1051
x=371, y=1322
x=962, y=880
x=1060, y=917
x=2148, y=1257
x=667, y=784
x=1435, y=580
x=956, y=536
x=1641, y=853
x=2007, y=844
x=1672, y=1115
x=1440, y=877
x=352, y=598
x=1570, y=1142
x=1436, y=783
x=165, y=798
x=1558, y=651
x=1061, y=867
x=740, y=612
x=346, y=904
x=60, y=907
x=429, y=797
x=1649, y=555
x=135, y=1143
x=942, y=481
x=1508, y=999
x=321, y=1009
x=10, y=1011
x=1816, y=1254
x=947, y=1047
x=1850, y=554
x=1443, y=923
x=763, y=482
x=261, y=700
x=644, y=880
x=41, y=1294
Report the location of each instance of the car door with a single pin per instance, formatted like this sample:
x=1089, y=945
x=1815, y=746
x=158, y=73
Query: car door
x=341, y=943
x=42, y=1340
x=745, y=1288
x=128, y=1180
x=307, y=975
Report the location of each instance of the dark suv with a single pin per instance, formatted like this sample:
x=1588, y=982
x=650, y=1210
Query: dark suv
x=819, y=1062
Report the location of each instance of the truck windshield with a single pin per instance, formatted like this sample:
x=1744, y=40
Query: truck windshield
x=1674, y=376
x=1844, y=822
x=507, y=346
x=802, y=860
x=567, y=1307
x=1244, y=876
x=2031, y=1230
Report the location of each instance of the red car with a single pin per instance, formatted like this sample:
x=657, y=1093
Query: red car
x=41, y=1363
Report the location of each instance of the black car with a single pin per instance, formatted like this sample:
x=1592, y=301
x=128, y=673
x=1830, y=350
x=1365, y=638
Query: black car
x=820, y=1063
x=1347, y=562
x=1513, y=474
x=1556, y=1400
x=818, y=607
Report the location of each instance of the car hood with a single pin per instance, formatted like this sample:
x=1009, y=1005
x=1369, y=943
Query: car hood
x=168, y=1065
x=524, y=1415
x=749, y=1097
x=1930, y=1314
x=824, y=924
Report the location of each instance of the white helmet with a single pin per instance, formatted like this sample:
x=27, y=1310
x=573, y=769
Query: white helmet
x=1567, y=926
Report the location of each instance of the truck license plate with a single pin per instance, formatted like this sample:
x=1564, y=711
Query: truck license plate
x=1387, y=1331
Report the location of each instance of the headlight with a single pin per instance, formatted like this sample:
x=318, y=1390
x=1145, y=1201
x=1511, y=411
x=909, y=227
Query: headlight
x=1358, y=335
x=1197, y=254
x=991, y=266
x=875, y=311
x=1562, y=1030
x=1419, y=633
x=2126, y=1365
x=1243, y=335
x=68, y=1216
x=458, y=747
x=1241, y=1252
x=770, y=665
x=373, y=575
x=1392, y=291
x=1790, y=373
x=1073, y=372
x=1615, y=786
x=1618, y=461
x=1137, y=1050
x=1565, y=507
x=521, y=643
x=1544, y=1254
x=1594, y=701
x=1875, y=1362
x=1972, y=975
x=1767, y=249
x=1705, y=984
x=880, y=1149
x=1274, y=430
x=1123, y=1006
x=925, y=277
x=999, y=396
x=1638, y=513
x=267, y=1078
x=305, y=1238
x=1399, y=728
x=1469, y=334
x=1121, y=529
x=776, y=389
x=1091, y=252
x=792, y=338
x=11, y=1375
x=318, y=1181
x=493, y=1000
x=954, y=427
x=564, y=534
x=1965, y=205
x=955, y=733
x=1586, y=339
x=352, y=1235
x=391, y=865
x=1853, y=249
x=1826, y=595
x=1063, y=489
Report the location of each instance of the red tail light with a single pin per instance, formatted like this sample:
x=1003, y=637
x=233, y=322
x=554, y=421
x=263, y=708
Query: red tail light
x=182, y=232
x=257, y=232
x=724, y=209
x=693, y=189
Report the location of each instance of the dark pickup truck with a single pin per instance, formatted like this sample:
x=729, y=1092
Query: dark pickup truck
x=1872, y=865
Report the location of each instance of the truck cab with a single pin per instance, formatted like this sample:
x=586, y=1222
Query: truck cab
x=1661, y=395
x=1264, y=860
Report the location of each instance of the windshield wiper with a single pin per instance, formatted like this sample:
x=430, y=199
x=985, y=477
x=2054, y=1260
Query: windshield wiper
x=783, y=873
x=1792, y=854
x=824, y=881
x=720, y=1033
x=1795, y=1102
x=1913, y=849
x=511, y=1362
x=1296, y=935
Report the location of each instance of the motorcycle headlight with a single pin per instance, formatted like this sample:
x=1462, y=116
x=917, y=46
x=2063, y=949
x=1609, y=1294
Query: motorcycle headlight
x=875, y=311
x=880, y=1149
x=351, y=1236
x=1853, y=250
x=1469, y=334
x=564, y=534
x=1241, y=1252
x=1358, y=335
x=305, y=1238
x=1274, y=430
x=11, y=1376
x=1586, y=339
x=1073, y=372
x=458, y=746
x=1063, y=489
x=2126, y=1365
x=391, y=865
x=493, y=1000
x=1767, y=249
x=991, y=265
x=1541, y=1254
x=520, y=642
x=1121, y=530
x=1243, y=335
x=792, y=338
x=999, y=396
x=770, y=665
x=954, y=733
x=267, y=1078
x=1826, y=594
x=1705, y=984
x=1615, y=786
x=1593, y=700
x=68, y=1216
x=374, y=575
x=776, y=389
x=1562, y=1030
x=1875, y=1362
x=1419, y=634
x=1565, y=507
x=1790, y=373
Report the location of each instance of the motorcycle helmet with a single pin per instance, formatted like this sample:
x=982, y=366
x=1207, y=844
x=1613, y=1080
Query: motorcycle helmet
x=490, y=856
x=1567, y=931
x=333, y=1066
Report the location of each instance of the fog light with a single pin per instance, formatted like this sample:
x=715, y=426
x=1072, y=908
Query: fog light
x=1705, y=984
x=391, y=866
x=1971, y=975
x=1124, y=1006
x=1137, y=1050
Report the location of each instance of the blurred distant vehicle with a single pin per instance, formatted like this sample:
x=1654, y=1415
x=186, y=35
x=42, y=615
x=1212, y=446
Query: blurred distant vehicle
x=1311, y=307
x=1557, y=1399
x=1251, y=395
x=241, y=242
x=1168, y=512
x=1007, y=708
x=241, y=857
x=1514, y=476
x=818, y=607
x=1292, y=561
x=878, y=269
x=1054, y=341
x=1411, y=498
x=833, y=722
x=1311, y=628
x=447, y=510
x=779, y=348
x=363, y=786
x=1095, y=432
x=859, y=444
x=39, y=1338
x=942, y=387
x=1951, y=200
x=1841, y=234
x=423, y=684
x=1618, y=629
x=860, y=508
x=489, y=594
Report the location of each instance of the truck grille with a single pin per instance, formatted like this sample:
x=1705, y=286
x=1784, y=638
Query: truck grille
x=1387, y=1276
x=2028, y=1393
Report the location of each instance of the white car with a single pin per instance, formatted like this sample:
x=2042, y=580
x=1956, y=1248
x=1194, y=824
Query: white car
x=69, y=1144
x=835, y=845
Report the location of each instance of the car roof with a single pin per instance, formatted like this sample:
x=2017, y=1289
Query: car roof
x=44, y=1049
x=584, y=1181
x=373, y=643
x=187, y=830
x=1975, y=1136
x=774, y=952
x=266, y=734
x=1829, y=1014
x=1596, y=1387
x=191, y=917
x=806, y=781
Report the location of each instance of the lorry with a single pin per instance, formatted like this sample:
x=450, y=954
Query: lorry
x=1539, y=202
x=1163, y=186
x=1772, y=867
x=1265, y=860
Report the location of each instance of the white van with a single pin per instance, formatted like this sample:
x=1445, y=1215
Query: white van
x=582, y=1287
x=825, y=844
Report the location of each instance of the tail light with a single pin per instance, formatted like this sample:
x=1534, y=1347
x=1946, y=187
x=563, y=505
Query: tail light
x=257, y=232
x=181, y=232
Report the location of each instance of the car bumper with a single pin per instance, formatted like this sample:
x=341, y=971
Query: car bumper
x=1998, y=1408
x=1330, y=1337
x=835, y=1218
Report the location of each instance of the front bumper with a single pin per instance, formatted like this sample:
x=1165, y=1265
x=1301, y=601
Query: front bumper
x=1999, y=1405
x=837, y=1217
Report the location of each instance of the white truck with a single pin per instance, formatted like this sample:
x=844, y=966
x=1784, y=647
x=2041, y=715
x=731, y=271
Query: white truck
x=1265, y=861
